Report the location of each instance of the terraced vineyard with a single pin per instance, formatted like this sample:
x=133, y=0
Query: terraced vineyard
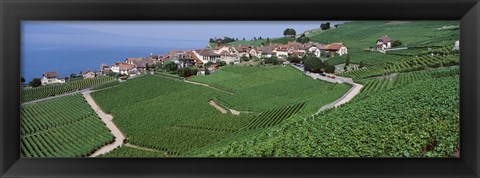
x=420, y=119
x=129, y=152
x=376, y=85
x=52, y=90
x=175, y=117
x=405, y=65
x=61, y=127
x=274, y=116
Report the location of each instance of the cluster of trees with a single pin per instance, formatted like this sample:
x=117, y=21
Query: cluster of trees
x=396, y=43
x=314, y=64
x=272, y=60
x=289, y=32
x=303, y=39
x=187, y=72
x=36, y=82
x=325, y=26
x=224, y=40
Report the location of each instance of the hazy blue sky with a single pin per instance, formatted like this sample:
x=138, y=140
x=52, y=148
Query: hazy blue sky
x=162, y=34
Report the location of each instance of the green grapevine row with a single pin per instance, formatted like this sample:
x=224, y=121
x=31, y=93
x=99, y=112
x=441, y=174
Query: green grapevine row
x=61, y=127
x=30, y=94
x=274, y=116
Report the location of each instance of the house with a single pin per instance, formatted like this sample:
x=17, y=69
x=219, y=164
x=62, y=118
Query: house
x=133, y=72
x=265, y=51
x=229, y=58
x=282, y=51
x=88, y=74
x=336, y=48
x=140, y=65
x=383, y=43
x=242, y=50
x=121, y=68
x=314, y=48
x=207, y=55
x=51, y=78
x=104, y=69
x=197, y=61
x=132, y=60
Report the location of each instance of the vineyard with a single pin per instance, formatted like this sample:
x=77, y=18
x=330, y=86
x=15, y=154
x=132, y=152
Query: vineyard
x=405, y=65
x=408, y=106
x=30, y=94
x=129, y=152
x=383, y=84
x=257, y=88
x=386, y=124
x=174, y=116
x=274, y=116
x=61, y=127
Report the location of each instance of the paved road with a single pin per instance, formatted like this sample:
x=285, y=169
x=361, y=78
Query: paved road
x=352, y=92
x=108, y=120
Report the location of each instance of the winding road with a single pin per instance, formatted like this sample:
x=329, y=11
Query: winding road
x=108, y=120
x=352, y=92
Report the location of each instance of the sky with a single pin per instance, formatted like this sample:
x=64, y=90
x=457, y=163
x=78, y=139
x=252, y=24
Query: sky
x=162, y=34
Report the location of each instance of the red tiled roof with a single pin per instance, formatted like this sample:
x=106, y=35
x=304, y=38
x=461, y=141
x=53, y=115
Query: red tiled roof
x=50, y=74
x=86, y=71
x=124, y=66
x=334, y=46
x=385, y=39
x=194, y=57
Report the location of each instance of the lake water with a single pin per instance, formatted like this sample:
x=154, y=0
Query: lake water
x=67, y=60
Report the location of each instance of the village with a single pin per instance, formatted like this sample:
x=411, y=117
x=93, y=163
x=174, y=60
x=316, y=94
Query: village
x=207, y=60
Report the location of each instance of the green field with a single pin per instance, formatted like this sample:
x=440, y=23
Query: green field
x=175, y=117
x=61, y=127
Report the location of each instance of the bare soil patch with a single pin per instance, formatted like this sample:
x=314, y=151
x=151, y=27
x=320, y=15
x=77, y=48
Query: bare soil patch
x=211, y=102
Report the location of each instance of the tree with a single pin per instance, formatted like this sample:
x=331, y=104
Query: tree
x=396, y=43
x=325, y=26
x=271, y=60
x=347, y=60
x=361, y=65
x=22, y=80
x=294, y=59
x=170, y=66
x=243, y=39
x=187, y=72
x=303, y=39
x=36, y=82
x=313, y=64
x=208, y=64
x=329, y=68
x=244, y=58
x=222, y=63
x=254, y=38
x=289, y=32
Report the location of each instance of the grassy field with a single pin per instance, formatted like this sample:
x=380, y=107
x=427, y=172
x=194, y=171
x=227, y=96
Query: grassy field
x=175, y=117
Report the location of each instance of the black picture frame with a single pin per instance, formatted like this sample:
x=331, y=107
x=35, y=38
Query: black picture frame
x=14, y=11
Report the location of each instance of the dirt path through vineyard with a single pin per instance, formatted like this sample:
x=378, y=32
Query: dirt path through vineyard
x=211, y=102
x=108, y=120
